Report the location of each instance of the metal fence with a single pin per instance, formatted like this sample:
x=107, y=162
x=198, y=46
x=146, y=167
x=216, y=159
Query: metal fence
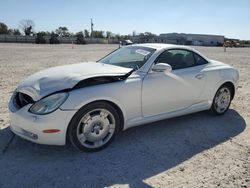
x=62, y=40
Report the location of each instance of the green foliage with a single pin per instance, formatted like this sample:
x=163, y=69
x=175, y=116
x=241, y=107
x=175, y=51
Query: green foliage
x=245, y=42
x=40, y=38
x=53, y=39
x=147, y=34
x=86, y=33
x=10, y=31
x=125, y=37
x=109, y=34
x=45, y=33
x=97, y=34
x=80, y=38
x=28, y=30
x=63, y=32
x=3, y=28
x=16, y=32
x=118, y=36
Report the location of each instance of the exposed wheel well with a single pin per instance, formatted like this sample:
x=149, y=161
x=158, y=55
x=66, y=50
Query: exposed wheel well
x=231, y=86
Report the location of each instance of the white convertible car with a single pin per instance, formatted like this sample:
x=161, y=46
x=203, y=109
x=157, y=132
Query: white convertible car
x=89, y=103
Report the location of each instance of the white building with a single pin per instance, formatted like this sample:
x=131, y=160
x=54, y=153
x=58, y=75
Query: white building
x=195, y=39
x=182, y=39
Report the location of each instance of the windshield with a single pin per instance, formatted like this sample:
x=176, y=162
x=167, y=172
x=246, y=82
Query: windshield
x=130, y=57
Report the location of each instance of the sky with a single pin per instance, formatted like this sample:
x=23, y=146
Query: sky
x=230, y=18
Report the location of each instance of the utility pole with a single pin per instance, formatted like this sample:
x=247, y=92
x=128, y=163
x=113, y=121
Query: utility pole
x=92, y=28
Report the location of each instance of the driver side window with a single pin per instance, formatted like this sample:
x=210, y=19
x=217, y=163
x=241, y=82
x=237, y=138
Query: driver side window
x=177, y=58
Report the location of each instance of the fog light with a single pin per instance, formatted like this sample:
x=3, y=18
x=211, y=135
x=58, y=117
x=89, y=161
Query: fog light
x=29, y=134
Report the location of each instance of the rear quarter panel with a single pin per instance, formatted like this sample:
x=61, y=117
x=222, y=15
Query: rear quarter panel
x=217, y=76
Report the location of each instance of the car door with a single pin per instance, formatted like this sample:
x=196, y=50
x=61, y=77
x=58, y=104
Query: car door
x=164, y=92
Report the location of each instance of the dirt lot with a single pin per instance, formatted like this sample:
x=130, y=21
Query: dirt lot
x=197, y=150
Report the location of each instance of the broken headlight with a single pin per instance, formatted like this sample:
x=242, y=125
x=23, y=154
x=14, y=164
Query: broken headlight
x=48, y=104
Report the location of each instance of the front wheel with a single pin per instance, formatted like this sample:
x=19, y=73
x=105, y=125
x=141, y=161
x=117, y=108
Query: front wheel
x=94, y=126
x=222, y=100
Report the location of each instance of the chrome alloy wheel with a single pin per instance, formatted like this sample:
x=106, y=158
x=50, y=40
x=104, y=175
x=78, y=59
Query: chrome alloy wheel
x=96, y=128
x=222, y=100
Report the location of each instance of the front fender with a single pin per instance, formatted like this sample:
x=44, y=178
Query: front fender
x=125, y=94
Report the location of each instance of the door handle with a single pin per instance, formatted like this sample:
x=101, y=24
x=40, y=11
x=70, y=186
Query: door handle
x=199, y=76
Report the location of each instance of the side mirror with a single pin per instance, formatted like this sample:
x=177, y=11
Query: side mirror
x=162, y=67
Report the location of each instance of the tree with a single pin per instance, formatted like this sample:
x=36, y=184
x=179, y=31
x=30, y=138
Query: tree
x=16, y=32
x=118, y=36
x=141, y=34
x=3, y=28
x=53, y=38
x=40, y=38
x=98, y=34
x=63, y=32
x=10, y=31
x=125, y=37
x=45, y=33
x=80, y=38
x=27, y=26
x=86, y=33
x=109, y=34
x=149, y=34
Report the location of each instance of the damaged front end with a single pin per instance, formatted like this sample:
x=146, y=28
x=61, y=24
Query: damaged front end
x=101, y=80
x=21, y=98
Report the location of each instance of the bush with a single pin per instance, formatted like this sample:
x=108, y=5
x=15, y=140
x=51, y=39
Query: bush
x=53, y=39
x=40, y=39
x=3, y=28
x=80, y=38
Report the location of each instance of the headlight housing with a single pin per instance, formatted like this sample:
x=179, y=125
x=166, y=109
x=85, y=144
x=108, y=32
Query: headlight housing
x=48, y=104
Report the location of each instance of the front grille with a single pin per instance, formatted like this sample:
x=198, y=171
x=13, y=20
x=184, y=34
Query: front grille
x=22, y=99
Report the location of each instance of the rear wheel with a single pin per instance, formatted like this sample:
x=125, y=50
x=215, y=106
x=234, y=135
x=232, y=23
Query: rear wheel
x=222, y=100
x=94, y=126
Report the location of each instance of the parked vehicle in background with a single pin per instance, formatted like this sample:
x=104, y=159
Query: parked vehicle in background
x=126, y=42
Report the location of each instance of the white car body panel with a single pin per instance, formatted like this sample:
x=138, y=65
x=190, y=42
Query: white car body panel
x=22, y=120
x=144, y=97
x=59, y=78
x=169, y=90
x=126, y=95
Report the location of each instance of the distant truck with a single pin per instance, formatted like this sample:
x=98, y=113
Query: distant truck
x=231, y=43
x=126, y=42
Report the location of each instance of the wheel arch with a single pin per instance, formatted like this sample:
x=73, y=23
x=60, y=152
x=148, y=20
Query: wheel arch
x=117, y=108
x=230, y=85
x=121, y=115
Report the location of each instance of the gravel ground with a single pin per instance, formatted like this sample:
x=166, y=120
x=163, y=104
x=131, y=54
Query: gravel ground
x=197, y=150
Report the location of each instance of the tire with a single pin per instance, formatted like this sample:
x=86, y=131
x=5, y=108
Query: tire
x=94, y=127
x=222, y=100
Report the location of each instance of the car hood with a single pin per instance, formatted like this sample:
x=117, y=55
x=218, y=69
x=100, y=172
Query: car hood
x=64, y=77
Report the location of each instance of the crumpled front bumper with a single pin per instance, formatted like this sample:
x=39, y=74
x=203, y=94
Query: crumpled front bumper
x=30, y=126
